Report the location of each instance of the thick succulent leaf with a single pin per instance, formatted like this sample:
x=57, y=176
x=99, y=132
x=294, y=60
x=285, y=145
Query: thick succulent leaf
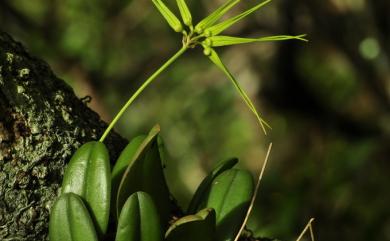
x=122, y=163
x=70, y=220
x=215, y=16
x=88, y=175
x=254, y=195
x=197, y=227
x=217, y=61
x=162, y=150
x=139, y=220
x=185, y=12
x=172, y=20
x=218, y=28
x=126, y=156
x=145, y=173
x=203, y=189
x=217, y=41
x=230, y=196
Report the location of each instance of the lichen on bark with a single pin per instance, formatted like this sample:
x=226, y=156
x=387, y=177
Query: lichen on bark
x=42, y=122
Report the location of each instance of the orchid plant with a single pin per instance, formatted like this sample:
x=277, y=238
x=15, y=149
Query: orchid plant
x=134, y=195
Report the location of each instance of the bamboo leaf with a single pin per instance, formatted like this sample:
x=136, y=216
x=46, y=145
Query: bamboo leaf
x=145, y=173
x=217, y=41
x=201, y=194
x=185, y=12
x=139, y=220
x=215, y=16
x=197, y=227
x=172, y=20
x=218, y=28
x=70, y=220
x=88, y=175
x=217, y=61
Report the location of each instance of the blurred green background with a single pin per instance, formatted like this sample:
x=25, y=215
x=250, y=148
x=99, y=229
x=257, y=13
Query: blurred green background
x=328, y=100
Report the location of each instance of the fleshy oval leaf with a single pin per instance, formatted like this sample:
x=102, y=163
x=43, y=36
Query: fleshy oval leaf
x=88, y=175
x=70, y=220
x=196, y=227
x=203, y=189
x=230, y=196
x=139, y=220
x=121, y=165
x=145, y=173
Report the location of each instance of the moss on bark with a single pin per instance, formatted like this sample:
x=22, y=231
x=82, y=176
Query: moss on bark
x=42, y=122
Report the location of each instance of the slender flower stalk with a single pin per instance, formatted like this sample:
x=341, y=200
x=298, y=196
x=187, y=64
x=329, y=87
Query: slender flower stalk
x=140, y=89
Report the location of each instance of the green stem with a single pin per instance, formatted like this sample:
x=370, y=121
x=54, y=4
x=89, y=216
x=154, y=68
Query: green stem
x=140, y=89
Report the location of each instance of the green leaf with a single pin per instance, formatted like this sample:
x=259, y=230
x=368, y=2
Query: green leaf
x=215, y=16
x=121, y=165
x=139, y=220
x=145, y=173
x=172, y=20
x=218, y=28
x=217, y=61
x=197, y=227
x=70, y=220
x=185, y=12
x=203, y=189
x=254, y=195
x=217, y=41
x=88, y=175
x=230, y=196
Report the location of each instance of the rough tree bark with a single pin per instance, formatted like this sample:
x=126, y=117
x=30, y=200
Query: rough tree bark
x=42, y=122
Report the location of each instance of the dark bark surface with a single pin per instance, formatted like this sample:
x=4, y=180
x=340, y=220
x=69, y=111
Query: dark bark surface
x=42, y=122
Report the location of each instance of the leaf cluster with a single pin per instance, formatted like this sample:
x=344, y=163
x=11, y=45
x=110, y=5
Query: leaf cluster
x=136, y=197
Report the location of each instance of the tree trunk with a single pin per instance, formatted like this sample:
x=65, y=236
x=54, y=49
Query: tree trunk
x=42, y=122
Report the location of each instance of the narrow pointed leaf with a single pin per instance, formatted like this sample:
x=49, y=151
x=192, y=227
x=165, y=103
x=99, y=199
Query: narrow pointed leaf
x=230, y=196
x=217, y=41
x=88, y=175
x=218, y=28
x=121, y=165
x=172, y=20
x=185, y=12
x=217, y=61
x=203, y=189
x=145, y=173
x=215, y=16
x=70, y=220
x=197, y=227
x=139, y=220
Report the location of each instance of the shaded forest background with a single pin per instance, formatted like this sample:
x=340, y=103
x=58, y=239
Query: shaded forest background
x=328, y=100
